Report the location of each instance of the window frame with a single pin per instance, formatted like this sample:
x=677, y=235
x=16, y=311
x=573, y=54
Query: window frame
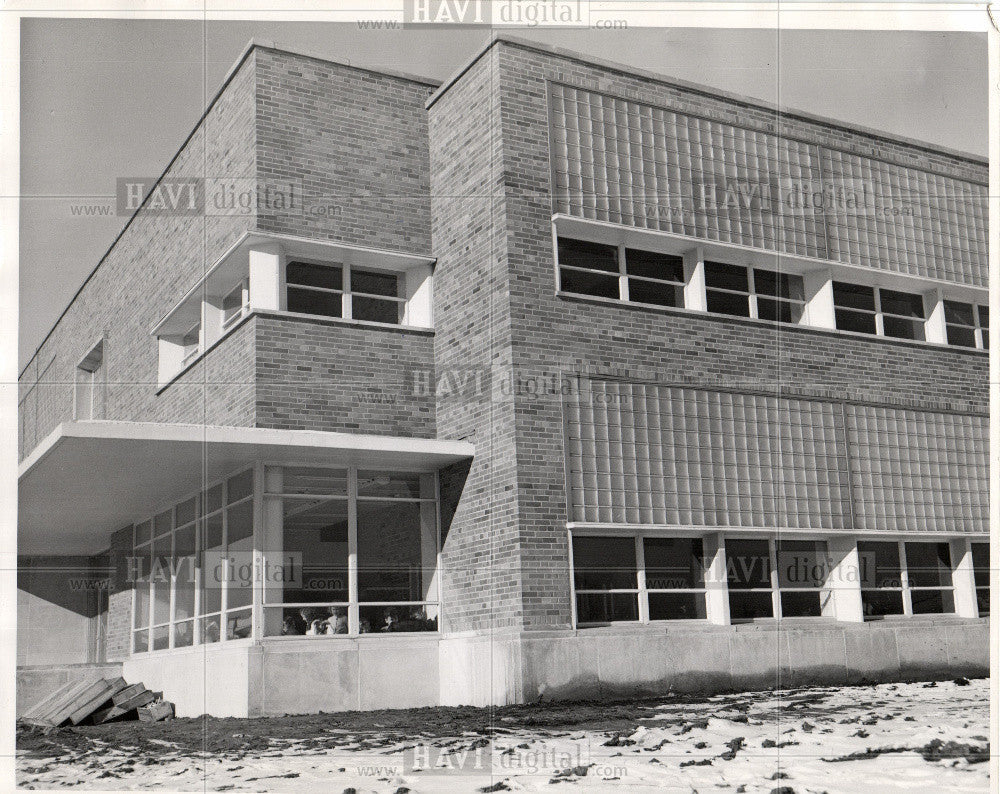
x=905, y=588
x=243, y=286
x=975, y=585
x=345, y=291
x=980, y=331
x=753, y=295
x=879, y=314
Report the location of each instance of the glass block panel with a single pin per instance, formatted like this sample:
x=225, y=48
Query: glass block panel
x=593, y=256
x=750, y=605
x=932, y=602
x=373, y=282
x=398, y=617
x=583, y=283
x=312, y=275
x=677, y=606
x=308, y=301
x=606, y=607
x=881, y=603
x=604, y=563
x=673, y=563
x=665, y=267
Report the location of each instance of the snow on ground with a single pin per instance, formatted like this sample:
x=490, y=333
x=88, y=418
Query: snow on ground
x=886, y=738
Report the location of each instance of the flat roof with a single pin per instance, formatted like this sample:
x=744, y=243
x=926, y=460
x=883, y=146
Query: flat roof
x=699, y=88
x=87, y=480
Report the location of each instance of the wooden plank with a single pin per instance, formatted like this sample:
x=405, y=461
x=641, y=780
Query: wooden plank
x=155, y=712
x=48, y=702
x=127, y=693
x=110, y=688
x=86, y=695
x=56, y=707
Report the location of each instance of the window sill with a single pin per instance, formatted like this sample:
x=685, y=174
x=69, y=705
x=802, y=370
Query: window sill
x=780, y=326
x=322, y=319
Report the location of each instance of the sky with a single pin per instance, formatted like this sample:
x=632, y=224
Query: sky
x=102, y=99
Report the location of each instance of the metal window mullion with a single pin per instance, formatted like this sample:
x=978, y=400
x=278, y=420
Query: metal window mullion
x=622, y=274
x=640, y=575
x=353, y=615
x=904, y=579
x=259, y=563
x=172, y=609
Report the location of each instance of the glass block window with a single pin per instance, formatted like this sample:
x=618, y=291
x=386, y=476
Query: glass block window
x=619, y=273
x=918, y=471
x=650, y=454
x=968, y=324
x=981, y=571
x=754, y=292
x=338, y=290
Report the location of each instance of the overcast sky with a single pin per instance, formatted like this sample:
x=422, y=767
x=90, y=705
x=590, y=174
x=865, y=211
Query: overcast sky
x=103, y=99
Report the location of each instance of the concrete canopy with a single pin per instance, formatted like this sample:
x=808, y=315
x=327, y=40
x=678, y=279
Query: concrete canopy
x=89, y=479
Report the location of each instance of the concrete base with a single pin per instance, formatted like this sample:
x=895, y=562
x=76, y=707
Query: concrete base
x=308, y=675
x=39, y=681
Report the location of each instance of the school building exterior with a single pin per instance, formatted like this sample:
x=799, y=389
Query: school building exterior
x=558, y=379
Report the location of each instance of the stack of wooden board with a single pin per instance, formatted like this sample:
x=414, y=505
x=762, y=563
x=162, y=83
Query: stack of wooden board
x=99, y=700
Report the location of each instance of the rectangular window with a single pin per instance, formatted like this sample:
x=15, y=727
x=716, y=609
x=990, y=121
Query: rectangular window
x=748, y=575
x=854, y=307
x=983, y=316
x=727, y=289
x=779, y=579
x=605, y=579
x=344, y=291
x=981, y=571
x=375, y=297
x=754, y=292
x=802, y=566
x=967, y=324
x=654, y=278
x=780, y=296
x=589, y=268
x=902, y=314
x=388, y=521
x=675, y=578
x=235, y=304
x=191, y=344
x=881, y=578
x=905, y=578
x=315, y=289
x=88, y=394
x=928, y=572
x=194, y=569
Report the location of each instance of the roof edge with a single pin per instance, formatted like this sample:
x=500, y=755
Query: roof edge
x=704, y=90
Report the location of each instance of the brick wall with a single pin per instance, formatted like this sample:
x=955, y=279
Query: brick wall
x=316, y=375
x=155, y=261
x=357, y=139
x=557, y=335
x=118, y=631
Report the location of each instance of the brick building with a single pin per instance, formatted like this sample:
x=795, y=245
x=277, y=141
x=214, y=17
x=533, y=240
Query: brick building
x=555, y=379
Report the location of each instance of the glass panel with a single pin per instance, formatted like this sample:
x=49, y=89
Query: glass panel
x=141, y=570
x=212, y=569
x=928, y=564
x=161, y=637
x=240, y=486
x=749, y=604
x=677, y=606
x=213, y=498
x=143, y=532
x=726, y=276
x=606, y=607
x=307, y=301
x=983, y=601
x=984, y=316
x=961, y=313
x=238, y=624
x=391, y=556
x=401, y=617
x=317, y=530
x=859, y=322
x=140, y=641
x=305, y=621
x=904, y=304
x=879, y=561
x=957, y=335
x=981, y=563
x=589, y=283
x=801, y=563
x=184, y=572
x=728, y=303
x=308, y=274
x=187, y=511
x=673, y=563
x=314, y=481
x=801, y=605
x=232, y=304
x=239, y=536
x=780, y=285
x=375, y=283
x=604, y=564
x=183, y=634
x=853, y=296
x=748, y=564
x=240, y=526
x=903, y=329
x=590, y=255
x=389, y=484
x=778, y=311
x=374, y=310
x=210, y=629
x=656, y=293
x=879, y=603
x=654, y=265
x=163, y=523
x=161, y=579
x=932, y=602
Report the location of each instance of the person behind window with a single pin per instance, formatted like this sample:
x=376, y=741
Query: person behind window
x=293, y=625
x=337, y=624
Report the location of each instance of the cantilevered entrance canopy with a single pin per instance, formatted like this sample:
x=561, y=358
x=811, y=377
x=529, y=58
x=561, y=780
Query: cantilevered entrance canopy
x=88, y=479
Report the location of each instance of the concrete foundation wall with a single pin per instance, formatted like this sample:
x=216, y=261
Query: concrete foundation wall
x=34, y=683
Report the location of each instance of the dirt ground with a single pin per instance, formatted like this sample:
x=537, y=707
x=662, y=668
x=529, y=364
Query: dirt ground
x=892, y=737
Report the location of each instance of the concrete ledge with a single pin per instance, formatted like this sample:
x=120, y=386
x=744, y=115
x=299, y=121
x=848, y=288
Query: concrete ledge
x=38, y=682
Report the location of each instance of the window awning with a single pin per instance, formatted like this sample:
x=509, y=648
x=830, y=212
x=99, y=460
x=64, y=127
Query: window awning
x=89, y=479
